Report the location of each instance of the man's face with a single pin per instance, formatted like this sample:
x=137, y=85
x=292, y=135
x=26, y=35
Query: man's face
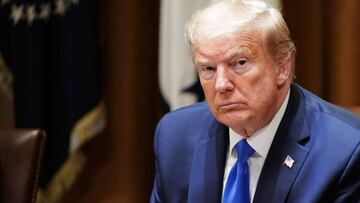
x=241, y=82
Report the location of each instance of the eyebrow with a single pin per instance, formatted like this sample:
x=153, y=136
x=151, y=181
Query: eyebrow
x=202, y=61
x=241, y=51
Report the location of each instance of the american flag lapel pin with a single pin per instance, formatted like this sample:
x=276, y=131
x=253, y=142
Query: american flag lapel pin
x=289, y=162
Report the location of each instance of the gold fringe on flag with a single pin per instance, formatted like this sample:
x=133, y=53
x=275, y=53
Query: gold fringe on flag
x=6, y=96
x=84, y=130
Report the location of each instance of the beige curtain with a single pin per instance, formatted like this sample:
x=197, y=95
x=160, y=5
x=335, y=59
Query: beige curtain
x=327, y=37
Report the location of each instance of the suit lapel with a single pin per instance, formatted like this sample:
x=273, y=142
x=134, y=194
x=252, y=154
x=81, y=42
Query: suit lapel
x=277, y=178
x=208, y=165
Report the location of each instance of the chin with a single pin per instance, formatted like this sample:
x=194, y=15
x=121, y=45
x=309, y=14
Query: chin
x=233, y=119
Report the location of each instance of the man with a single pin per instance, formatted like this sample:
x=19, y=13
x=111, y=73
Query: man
x=297, y=147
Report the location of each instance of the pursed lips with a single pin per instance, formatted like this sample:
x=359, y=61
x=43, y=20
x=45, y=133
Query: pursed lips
x=227, y=106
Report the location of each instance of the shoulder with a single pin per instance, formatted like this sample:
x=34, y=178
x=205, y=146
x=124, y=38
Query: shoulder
x=323, y=111
x=184, y=126
x=331, y=122
x=187, y=116
x=182, y=120
x=196, y=111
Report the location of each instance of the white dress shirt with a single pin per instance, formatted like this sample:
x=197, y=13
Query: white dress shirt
x=260, y=141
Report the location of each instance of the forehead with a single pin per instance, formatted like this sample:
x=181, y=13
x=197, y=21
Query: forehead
x=247, y=43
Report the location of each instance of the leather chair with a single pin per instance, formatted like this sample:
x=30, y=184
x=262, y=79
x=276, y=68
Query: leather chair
x=20, y=160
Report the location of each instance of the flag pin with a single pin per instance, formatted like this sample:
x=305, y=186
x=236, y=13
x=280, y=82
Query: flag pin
x=289, y=162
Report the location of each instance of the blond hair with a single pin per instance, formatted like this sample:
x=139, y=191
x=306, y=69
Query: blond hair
x=229, y=17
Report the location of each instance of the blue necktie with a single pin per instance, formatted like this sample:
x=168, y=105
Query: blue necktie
x=237, y=185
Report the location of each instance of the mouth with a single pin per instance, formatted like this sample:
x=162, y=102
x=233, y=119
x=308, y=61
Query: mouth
x=227, y=106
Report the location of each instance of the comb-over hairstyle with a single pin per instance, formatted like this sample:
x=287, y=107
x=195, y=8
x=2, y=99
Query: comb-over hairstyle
x=229, y=17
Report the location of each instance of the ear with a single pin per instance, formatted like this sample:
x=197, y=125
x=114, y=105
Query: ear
x=284, y=71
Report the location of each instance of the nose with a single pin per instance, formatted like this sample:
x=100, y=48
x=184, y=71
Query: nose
x=223, y=82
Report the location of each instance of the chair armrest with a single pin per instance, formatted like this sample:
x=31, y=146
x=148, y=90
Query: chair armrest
x=21, y=152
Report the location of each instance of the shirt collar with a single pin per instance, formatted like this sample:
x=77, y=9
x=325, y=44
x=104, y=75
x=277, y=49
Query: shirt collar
x=261, y=140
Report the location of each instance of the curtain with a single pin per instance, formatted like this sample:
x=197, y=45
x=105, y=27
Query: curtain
x=120, y=162
x=327, y=37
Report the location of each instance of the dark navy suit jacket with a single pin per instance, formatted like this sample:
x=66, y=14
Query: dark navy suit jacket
x=323, y=140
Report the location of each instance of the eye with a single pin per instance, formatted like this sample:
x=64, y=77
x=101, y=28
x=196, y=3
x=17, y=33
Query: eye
x=242, y=62
x=207, y=72
x=241, y=65
x=209, y=68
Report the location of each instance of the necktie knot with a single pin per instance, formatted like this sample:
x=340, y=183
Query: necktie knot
x=244, y=151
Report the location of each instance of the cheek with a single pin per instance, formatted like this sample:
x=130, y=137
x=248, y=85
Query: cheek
x=208, y=88
x=265, y=96
x=251, y=85
x=264, y=79
x=258, y=88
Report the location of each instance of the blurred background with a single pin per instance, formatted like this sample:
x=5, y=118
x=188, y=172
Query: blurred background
x=98, y=75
